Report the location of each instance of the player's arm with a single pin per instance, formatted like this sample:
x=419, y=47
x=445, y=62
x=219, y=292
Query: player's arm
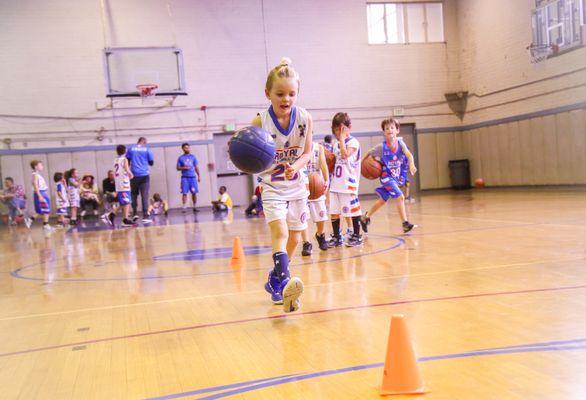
x=36, y=189
x=127, y=169
x=412, y=167
x=197, y=172
x=323, y=166
x=150, y=157
x=180, y=166
x=345, y=152
x=302, y=161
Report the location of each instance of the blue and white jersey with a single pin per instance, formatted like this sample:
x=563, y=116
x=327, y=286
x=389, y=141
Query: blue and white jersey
x=346, y=174
x=62, y=199
x=187, y=160
x=121, y=177
x=40, y=181
x=289, y=144
x=393, y=161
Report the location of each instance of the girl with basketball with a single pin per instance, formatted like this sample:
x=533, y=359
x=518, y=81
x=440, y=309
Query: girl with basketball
x=284, y=188
x=345, y=180
x=392, y=153
x=317, y=174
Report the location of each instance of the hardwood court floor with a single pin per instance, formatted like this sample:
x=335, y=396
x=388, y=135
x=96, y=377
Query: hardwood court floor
x=492, y=284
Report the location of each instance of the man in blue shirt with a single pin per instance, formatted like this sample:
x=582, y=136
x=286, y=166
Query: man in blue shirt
x=187, y=164
x=140, y=158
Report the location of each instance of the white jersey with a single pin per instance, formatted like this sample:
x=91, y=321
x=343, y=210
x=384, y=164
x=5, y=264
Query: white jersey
x=121, y=177
x=346, y=174
x=289, y=145
x=313, y=165
x=40, y=181
x=62, y=198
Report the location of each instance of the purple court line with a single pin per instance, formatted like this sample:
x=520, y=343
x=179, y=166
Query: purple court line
x=17, y=273
x=283, y=316
x=298, y=378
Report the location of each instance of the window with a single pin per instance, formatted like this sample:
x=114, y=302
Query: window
x=558, y=22
x=405, y=22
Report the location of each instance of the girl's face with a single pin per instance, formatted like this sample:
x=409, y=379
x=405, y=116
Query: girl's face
x=40, y=167
x=74, y=174
x=283, y=95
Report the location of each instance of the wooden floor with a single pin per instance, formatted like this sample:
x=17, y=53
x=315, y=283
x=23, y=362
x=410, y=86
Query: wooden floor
x=492, y=284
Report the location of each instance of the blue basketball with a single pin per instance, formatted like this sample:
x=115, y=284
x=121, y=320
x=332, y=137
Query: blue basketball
x=252, y=150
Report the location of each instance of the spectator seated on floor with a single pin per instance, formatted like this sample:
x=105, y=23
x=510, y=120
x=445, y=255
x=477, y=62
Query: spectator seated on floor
x=224, y=202
x=158, y=206
x=88, y=195
x=255, y=207
x=13, y=197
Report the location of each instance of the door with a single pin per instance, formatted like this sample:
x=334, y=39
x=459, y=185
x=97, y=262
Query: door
x=410, y=138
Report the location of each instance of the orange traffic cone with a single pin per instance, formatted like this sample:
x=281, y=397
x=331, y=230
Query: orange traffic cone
x=401, y=374
x=237, y=250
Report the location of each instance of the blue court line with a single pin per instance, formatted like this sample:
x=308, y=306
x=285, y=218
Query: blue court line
x=17, y=273
x=205, y=254
x=243, y=387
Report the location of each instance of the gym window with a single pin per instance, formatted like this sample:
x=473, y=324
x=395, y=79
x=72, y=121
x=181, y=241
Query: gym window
x=559, y=22
x=405, y=23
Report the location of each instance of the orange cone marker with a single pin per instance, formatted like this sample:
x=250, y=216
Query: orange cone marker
x=237, y=250
x=401, y=374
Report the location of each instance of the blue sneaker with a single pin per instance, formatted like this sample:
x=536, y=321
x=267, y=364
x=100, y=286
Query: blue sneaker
x=274, y=288
x=292, y=290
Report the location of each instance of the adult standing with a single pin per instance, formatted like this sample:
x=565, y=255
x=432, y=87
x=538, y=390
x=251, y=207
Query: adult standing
x=187, y=164
x=140, y=158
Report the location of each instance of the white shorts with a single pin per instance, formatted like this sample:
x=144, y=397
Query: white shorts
x=318, y=210
x=293, y=211
x=345, y=204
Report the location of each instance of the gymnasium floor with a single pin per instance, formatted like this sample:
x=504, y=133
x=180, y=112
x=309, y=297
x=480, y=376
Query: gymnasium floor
x=492, y=285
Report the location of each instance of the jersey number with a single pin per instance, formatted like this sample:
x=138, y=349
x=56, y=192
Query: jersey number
x=338, y=171
x=278, y=174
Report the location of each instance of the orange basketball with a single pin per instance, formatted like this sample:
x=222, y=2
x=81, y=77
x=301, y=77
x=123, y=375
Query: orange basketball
x=479, y=183
x=330, y=160
x=317, y=186
x=371, y=168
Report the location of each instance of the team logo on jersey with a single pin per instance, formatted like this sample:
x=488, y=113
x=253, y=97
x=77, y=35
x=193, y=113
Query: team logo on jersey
x=345, y=209
x=301, y=130
x=322, y=214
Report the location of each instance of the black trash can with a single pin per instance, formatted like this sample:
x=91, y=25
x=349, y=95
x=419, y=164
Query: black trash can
x=459, y=174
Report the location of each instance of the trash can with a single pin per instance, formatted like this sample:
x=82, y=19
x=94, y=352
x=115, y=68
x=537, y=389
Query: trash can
x=459, y=174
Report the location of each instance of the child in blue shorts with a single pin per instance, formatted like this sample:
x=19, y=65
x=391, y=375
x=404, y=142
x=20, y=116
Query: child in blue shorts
x=393, y=154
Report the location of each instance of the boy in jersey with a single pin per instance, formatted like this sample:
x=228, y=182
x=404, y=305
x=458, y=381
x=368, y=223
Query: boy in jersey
x=122, y=177
x=61, y=198
x=187, y=164
x=392, y=152
x=317, y=207
x=41, y=194
x=345, y=180
x=284, y=189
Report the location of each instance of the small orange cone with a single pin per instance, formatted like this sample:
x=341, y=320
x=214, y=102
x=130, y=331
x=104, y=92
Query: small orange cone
x=401, y=374
x=237, y=250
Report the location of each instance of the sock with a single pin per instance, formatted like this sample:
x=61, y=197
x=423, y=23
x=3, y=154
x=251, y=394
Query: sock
x=281, y=260
x=356, y=225
x=336, y=227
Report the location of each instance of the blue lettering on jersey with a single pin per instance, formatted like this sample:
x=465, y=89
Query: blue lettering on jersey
x=392, y=162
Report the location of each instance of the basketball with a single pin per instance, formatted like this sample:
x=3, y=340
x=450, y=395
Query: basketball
x=479, y=183
x=317, y=186
x=371, y=168
x=330, y=160
x=252, y=150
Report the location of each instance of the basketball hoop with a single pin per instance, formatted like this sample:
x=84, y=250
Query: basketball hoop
x=540, y=52
x=147, y=92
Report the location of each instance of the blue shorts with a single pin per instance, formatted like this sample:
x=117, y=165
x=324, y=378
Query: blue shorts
x=189, y=185
x=43, y=206
x=404, y=178
x=124, y=197
x=389, y=190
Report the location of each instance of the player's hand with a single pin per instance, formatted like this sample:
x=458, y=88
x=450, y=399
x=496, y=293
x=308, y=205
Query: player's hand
x=289, y=171
x=344, y=132
x=413, y=169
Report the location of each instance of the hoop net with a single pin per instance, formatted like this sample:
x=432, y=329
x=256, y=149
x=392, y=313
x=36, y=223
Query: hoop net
x=147, y=92
x=540, y=52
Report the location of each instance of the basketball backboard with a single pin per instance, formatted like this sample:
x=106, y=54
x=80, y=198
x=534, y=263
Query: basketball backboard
x=127, y=67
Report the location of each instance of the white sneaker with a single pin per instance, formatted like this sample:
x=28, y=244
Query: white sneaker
x=48, y=228
x=28, y=222
x=146, y=220
x=83, y=213
x=291, y=293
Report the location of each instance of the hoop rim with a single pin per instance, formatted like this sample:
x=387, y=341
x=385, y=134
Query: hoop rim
x=147, y=89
